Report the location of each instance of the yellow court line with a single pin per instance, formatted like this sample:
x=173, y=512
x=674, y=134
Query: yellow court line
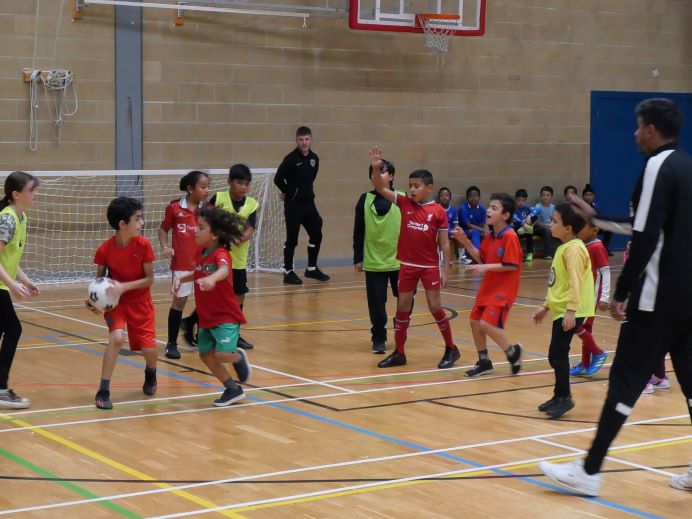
x=479, y=472
x=121, y=467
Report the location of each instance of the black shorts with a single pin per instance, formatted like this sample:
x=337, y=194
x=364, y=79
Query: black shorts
x=240, y=282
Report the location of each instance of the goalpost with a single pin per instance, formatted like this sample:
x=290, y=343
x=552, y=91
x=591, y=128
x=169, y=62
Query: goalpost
x=68, y=221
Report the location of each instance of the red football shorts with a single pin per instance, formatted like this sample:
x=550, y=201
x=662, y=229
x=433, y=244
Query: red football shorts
x=138, y=317
x=493, y=315
x=409, y=276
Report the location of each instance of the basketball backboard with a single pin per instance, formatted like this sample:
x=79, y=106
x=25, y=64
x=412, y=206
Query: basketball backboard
x=400, y=15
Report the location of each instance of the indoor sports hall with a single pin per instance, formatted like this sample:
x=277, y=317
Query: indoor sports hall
x=107, y=98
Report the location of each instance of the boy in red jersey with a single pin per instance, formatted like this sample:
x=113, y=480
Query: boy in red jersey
x=499, y=260
x=423, y=226
x=593, y=357
x=219, y=313
x=127, y=259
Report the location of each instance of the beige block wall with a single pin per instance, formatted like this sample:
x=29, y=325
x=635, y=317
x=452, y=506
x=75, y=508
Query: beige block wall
x=508, y=110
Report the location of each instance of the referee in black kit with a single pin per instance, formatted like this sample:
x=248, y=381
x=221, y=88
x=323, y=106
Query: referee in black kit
x=295, y=178
x=653, y=295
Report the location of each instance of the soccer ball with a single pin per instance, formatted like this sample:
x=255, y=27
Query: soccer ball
x=98, y=295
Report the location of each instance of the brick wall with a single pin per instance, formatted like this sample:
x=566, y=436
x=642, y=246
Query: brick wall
x=507, y=110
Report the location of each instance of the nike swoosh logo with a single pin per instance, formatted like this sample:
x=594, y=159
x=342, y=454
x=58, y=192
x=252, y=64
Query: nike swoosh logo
x=435, y=282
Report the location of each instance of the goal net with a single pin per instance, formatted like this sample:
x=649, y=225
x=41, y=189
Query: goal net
x=68, y=220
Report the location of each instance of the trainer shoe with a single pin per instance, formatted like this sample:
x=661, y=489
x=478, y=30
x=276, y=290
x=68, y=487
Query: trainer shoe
x=577, y=370
x=549, y=258
x=395, y=359
x=545, y=405
x=242, y=343
x=149, y=387
x=103, y=399
x=682, y=482
x=291, y=278
x=660, y=383
x=242, y=367
x=597, y=362
x=465, y=260
x=229, y=396
x=190, y=338
x=482, y=367
x=171, y=351
x=450, y=356
x=515, y=360
x=316, y=274
x=528, y=229
x=529, y=256
x=560, y=406
x=10, y=400
x=573, y=476
x=378, y=347
x=648, y=388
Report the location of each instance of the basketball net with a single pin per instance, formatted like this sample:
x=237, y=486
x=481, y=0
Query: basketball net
x=438, y=29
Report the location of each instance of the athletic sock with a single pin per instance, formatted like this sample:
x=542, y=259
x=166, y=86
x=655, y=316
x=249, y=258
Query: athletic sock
x=483, y=354
x=105, y=385
x=588, y=347
x=445, y=329
x=230, y=384
x=174, y=318
x=401, y=321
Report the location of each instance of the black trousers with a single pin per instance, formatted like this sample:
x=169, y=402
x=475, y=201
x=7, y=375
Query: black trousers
x=528, y=238
x=547, y=238
x=558, y=355
x=376, y=289
x=10, y=331
x=644, y=340
x=296, y=214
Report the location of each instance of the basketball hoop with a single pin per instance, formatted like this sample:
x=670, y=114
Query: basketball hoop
x=438, y=29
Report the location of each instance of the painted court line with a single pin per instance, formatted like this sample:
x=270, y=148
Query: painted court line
x=395, y=457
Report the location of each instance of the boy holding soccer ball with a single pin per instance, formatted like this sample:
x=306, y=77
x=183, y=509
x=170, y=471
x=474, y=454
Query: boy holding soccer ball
x=127, y=259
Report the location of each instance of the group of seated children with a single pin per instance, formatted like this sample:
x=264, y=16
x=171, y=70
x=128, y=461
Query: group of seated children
x=528, y=221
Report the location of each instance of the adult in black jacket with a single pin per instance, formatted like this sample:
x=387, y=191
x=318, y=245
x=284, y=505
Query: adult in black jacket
x=653, y=295
x=295, y=178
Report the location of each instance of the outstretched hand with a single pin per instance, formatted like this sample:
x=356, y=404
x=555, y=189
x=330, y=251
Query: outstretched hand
x=581, y=207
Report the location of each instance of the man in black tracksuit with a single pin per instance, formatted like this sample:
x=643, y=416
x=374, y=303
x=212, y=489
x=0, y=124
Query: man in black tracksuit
x=295, y=178
x=653, y=292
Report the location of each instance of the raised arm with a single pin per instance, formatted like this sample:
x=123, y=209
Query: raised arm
x=379, y=178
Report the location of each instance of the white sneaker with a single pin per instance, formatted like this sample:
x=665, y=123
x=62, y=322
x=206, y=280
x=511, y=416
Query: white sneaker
x=683, y=482
x=10, y=400
x=660, y=383
x=572, y=476
x=648, y=389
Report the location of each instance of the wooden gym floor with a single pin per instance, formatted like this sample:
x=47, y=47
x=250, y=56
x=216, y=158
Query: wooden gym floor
x=323, y=431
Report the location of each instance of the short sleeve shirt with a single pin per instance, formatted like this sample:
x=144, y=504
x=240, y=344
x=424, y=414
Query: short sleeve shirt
x=420, y=224
x=219, y=305
x=126, y=264
x=500, y=288
x=183, y=224
x=452, y=217
x=471, y=215
x=8, y=226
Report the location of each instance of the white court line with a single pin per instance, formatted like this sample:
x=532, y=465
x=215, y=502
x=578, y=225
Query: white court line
x=298, y=377
x=363, y=462
x=615, y=460
x=163, y=342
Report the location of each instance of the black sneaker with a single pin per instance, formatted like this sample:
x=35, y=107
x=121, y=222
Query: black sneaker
x=242, y=343
x=515, y=360
x=149, y=387
x=291, y=278
x=103, y=399
x=190, y=338
x=229, y=396
x=395, y=359
x=560, y=406
x=378, y=347
x=449, y=358
x=171, y=351
x=242, y=367
x=316, y=274
x=545, y=405
x=482, y=367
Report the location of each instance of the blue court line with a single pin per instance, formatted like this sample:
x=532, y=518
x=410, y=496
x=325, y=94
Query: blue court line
x=391, y=439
